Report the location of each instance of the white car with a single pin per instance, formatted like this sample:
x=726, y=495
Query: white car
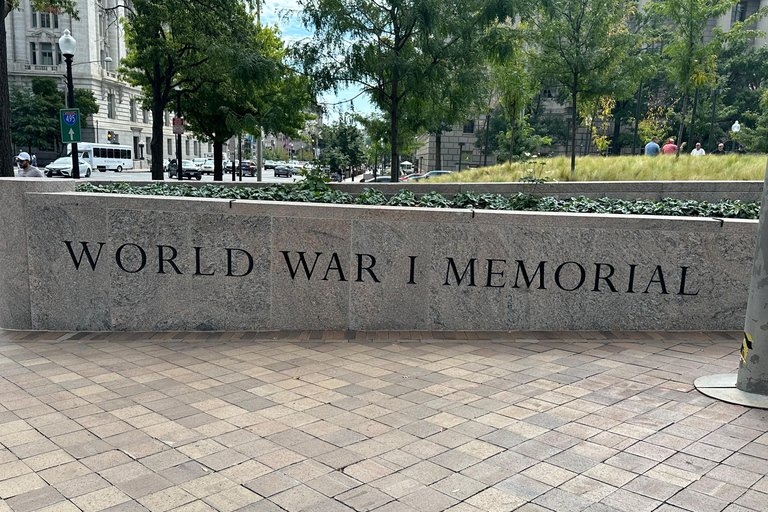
x=62, y=168
x=207, y=167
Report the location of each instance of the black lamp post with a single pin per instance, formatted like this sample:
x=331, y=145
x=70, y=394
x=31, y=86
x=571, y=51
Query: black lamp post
x=67, y=44
x=179, y=167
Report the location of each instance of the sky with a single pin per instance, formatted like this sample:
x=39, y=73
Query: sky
x=285, y=15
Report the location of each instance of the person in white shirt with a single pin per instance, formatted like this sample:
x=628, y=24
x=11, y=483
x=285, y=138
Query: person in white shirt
x=698, y=150
x=26, y=170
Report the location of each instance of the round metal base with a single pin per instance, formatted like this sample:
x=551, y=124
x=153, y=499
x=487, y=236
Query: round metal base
x=723, y=387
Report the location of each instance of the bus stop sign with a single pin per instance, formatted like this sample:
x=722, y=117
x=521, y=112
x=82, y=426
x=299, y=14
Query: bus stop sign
x=69, y=119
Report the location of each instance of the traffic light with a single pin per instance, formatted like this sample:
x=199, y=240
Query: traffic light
x=109, y=136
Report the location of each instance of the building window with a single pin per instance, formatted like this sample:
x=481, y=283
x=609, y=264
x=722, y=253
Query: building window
x=111, y=106
x=59, y=56
x=187, y=146
x=170, y=145
x=34, y=18
x=167, y=119
x=55, y=21
x=147, y=149
x=33, y=53
x=210, y=147
x=469, y=127
x=144, y=116
x=46, y=54
x=739, y=12
x=45, y=20
x=133, y=112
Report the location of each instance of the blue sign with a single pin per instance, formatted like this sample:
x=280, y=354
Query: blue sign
x=70, y=118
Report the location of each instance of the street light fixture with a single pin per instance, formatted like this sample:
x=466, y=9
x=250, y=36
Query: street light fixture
x=68, y=44
x=735, y=129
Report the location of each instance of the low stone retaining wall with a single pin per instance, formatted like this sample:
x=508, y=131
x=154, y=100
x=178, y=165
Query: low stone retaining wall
x=75, y=261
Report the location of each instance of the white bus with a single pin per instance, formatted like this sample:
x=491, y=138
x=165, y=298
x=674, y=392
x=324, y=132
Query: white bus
x=105, y=157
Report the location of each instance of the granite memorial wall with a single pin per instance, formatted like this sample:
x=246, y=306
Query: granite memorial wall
x=75, y=261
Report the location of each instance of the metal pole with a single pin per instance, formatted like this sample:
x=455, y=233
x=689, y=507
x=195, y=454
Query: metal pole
x=259, y=159
x=712, y=123
x=71, y=97
x=240, y=154
x=637, y=117
x=749, y=386
x=179, y=167
x=487, y=127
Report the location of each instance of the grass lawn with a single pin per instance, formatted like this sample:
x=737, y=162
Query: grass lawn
x=623, y=168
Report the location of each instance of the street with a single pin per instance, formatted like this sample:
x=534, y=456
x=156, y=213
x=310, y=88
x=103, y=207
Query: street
x=145, y=175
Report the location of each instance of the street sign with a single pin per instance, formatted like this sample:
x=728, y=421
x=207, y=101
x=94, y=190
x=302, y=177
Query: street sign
x=69, y=119
x=178, y=125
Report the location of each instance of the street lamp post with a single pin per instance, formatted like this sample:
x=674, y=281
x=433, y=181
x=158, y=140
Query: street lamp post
x=461, y=154
x=179, y=167
x=735, y=129
x=67, y=44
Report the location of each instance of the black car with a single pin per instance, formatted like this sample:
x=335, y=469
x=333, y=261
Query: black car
x=282, y=170
x=188, y=170
x=246, y=166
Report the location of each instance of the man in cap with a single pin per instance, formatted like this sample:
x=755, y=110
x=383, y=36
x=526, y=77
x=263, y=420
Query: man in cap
x=27, y=169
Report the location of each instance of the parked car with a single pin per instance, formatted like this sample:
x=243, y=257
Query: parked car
x=199, y=161
x=283, y=170
x=269, y=164
x=380, y=179
x=188, y=170
x=246, y=166
x=207, y=167
x=62, y=168
x=431, y=174
x=412, y=177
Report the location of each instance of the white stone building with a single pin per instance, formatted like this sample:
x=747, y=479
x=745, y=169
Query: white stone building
x=32, y=42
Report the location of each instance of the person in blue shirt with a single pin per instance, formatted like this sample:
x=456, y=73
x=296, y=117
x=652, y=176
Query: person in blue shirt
x=652, y=148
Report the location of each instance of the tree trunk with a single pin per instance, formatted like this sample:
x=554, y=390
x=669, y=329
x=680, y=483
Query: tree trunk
x=438, y=150
x=6, y=148
x=573, y=122
x=692, y=134
x=682, y=122
x=616, y=149
x=511, y=140
x=218, y=171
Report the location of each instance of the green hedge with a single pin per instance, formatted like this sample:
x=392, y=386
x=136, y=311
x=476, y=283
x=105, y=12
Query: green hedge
x=317, y=191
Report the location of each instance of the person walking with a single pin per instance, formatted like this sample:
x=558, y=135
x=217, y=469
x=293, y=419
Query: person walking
x=669, y=148
x=698, y=150
x=27, y=170
x=652, y=148
x=720, y=149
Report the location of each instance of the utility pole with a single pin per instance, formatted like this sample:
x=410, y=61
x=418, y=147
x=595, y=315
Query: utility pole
x=749, y=386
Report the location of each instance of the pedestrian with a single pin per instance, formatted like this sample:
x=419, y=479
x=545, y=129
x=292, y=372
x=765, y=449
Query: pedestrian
x=720, y=149
x=698, y=150
x=27, y=170
x=34, y=161
x=742, y=150
x=652, y=148
x=670, y=147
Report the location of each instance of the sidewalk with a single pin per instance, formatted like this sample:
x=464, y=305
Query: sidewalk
x=384, y=421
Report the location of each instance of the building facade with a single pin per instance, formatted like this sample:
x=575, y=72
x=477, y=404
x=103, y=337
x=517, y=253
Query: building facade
x=32, y=42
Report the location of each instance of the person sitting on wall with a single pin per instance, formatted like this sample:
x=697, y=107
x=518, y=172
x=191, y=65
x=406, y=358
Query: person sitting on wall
x=742, y=150
x=698, y=150
x=652, y=148
x=720, y=149
x=670, y=147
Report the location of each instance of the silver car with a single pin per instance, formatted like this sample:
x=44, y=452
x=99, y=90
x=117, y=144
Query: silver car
x=207, y=167
x=62, y=168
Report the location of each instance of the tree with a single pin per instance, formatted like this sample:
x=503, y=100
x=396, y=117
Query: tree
x=692, y=60
x=170, y=42
x=35, y=112
x=395, y=49
x=586, y=47
x=6, y=6
x=258, y=92
x=344, y=144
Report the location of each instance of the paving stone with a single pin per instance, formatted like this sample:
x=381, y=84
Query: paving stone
x=363, y=498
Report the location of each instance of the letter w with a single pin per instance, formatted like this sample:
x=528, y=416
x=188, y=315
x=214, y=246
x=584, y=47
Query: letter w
x=83, y=250
x=295, y=269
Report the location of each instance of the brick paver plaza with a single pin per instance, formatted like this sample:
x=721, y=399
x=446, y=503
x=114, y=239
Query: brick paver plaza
x=386, y=422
